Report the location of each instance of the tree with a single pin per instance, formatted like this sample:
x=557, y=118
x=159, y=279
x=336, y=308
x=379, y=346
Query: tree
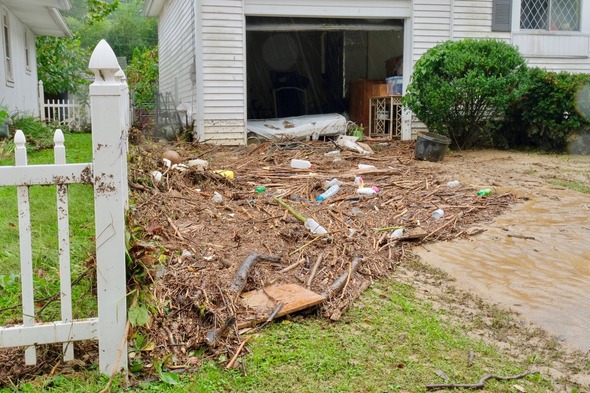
x=61, y=64
x=459, y=88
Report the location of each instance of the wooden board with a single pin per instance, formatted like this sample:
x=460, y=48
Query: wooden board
x=263, y=301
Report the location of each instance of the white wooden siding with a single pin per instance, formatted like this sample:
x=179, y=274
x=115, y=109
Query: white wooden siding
x=177, y=51
x=223, y=71
x=21, y=94
x=330, y=8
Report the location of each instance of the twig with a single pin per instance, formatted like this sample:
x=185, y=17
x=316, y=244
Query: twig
x=231, y=363
x=305, y=245
x=314, y=270
x=214, y=334
x=291, y=266
x=242, y=274
x=341, y=281
x=299, y=216
x=479, y=384
x=523, y=237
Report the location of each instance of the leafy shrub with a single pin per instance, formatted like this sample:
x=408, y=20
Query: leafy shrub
x=39, y=135
x=142, y=77
x=459, y=88
x=546, y=115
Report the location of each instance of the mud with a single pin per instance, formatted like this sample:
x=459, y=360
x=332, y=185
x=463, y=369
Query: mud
x=534, y=259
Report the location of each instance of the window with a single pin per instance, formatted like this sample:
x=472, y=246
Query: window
x=7, y=47
x=27, y=51
x=557, y=15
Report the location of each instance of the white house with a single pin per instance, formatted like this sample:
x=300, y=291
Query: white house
x=227, y=59
x=22, y=21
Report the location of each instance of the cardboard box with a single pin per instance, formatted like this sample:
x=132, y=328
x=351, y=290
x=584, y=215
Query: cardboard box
x=379, y=90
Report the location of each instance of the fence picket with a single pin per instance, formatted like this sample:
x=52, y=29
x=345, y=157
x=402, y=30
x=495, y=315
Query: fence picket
x=63, y=232
x=26, y=253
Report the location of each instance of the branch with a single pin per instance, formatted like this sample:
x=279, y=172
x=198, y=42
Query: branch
x=479, y=384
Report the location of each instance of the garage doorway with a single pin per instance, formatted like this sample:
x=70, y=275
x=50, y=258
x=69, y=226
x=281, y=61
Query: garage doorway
x=300, y=66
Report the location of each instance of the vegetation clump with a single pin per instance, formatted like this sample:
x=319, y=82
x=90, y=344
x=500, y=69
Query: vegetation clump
x=459, y=88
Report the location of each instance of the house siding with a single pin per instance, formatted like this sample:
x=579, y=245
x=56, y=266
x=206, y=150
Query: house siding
x=19, y=95
x=223, y=71
x=333, y=8
x=177, y=51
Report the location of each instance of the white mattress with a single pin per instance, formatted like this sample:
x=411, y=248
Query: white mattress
x=300, y=127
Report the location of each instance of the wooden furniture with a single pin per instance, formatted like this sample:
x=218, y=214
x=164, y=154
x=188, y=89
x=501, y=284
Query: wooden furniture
x=359, y=93
x=385, y=116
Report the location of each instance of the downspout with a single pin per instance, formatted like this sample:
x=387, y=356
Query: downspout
x=199, y=96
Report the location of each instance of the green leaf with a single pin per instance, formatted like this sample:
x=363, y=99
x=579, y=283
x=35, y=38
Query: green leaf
x=169, y=378
x=138, y=316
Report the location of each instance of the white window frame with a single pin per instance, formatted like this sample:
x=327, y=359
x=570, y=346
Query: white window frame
x=7, y=46
x=584, y=20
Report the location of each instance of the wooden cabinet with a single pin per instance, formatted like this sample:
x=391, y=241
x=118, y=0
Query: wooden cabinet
x=360, y=91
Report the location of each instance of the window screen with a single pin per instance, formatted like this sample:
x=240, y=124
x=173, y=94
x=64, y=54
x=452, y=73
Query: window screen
x=560, y=15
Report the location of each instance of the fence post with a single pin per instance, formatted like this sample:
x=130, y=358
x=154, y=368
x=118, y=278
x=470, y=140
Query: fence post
x=109, y=151
x=41, y=101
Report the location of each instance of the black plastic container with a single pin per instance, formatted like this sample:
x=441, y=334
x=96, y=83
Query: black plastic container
x=431, y=146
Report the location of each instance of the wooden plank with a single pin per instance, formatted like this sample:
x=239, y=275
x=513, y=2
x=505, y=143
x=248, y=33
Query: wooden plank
x=263, y=301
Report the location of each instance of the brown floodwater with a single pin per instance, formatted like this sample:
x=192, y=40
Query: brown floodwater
x=535, y=260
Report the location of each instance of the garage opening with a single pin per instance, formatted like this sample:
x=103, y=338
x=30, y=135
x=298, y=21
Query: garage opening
x=310, y=66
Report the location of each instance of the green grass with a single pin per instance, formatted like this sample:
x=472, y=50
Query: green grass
x=43, y=203
x=388, y=342
x=572, y=185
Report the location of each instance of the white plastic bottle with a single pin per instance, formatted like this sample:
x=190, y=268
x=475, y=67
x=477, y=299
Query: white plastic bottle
x=329, y=192
x=438, y=214
x=314, y=227
x=367, y=190
x=300, y=164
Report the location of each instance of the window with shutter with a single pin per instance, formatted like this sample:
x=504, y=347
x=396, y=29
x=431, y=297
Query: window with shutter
x=502, y=15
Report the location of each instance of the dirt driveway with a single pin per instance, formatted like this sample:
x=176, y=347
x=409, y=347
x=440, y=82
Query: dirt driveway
x=533, y=259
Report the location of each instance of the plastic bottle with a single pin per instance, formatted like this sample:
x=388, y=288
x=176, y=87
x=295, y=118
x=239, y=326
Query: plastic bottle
x=484, y=192
x=367, y=190
x=454, y=183
x=227, y=174
x=217, y=198
x=332, y=182
x=438, y=214
x=300, y=164
x=314, y=227
x=260, y=189
x=365, y=166
x=328, y=193
x=358, y=181
x=397, y=233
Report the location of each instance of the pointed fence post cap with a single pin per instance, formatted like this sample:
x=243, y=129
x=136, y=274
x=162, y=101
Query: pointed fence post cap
x=103, y=62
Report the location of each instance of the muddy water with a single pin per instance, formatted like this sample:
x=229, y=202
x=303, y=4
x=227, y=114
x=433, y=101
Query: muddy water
x=534, y=260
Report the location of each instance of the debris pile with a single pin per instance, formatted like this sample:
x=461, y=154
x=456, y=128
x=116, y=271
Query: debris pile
x=235, y=243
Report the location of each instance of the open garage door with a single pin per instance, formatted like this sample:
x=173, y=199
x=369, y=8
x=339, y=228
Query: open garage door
x=298, y=66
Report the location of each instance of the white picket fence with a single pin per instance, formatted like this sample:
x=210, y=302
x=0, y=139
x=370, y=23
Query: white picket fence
x=64, y=112
x=108, y=173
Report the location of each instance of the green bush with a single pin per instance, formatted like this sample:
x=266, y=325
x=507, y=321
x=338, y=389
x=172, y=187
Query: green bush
x=142, y=77
x=459, y=88
x=547, y=116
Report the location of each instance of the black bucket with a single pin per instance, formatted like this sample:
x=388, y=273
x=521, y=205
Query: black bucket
x=431, y=146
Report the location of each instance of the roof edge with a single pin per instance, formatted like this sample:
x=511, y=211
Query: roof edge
x=153, y=7
x=60, y=22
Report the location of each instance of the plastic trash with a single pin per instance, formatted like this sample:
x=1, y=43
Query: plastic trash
x=398, y=233
x=217, y=198
x=454, y=183
x=157, y=175
x=358, y=181
x=314, y=227
x=260, y=189
x=227, y=174
x=367, y=190
x=438, y=214
x=300, y=164
x=484, y=192
x=332, y=182
x=366, y=166
x=332, y=153
x=200, y=164
x=328, y=193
